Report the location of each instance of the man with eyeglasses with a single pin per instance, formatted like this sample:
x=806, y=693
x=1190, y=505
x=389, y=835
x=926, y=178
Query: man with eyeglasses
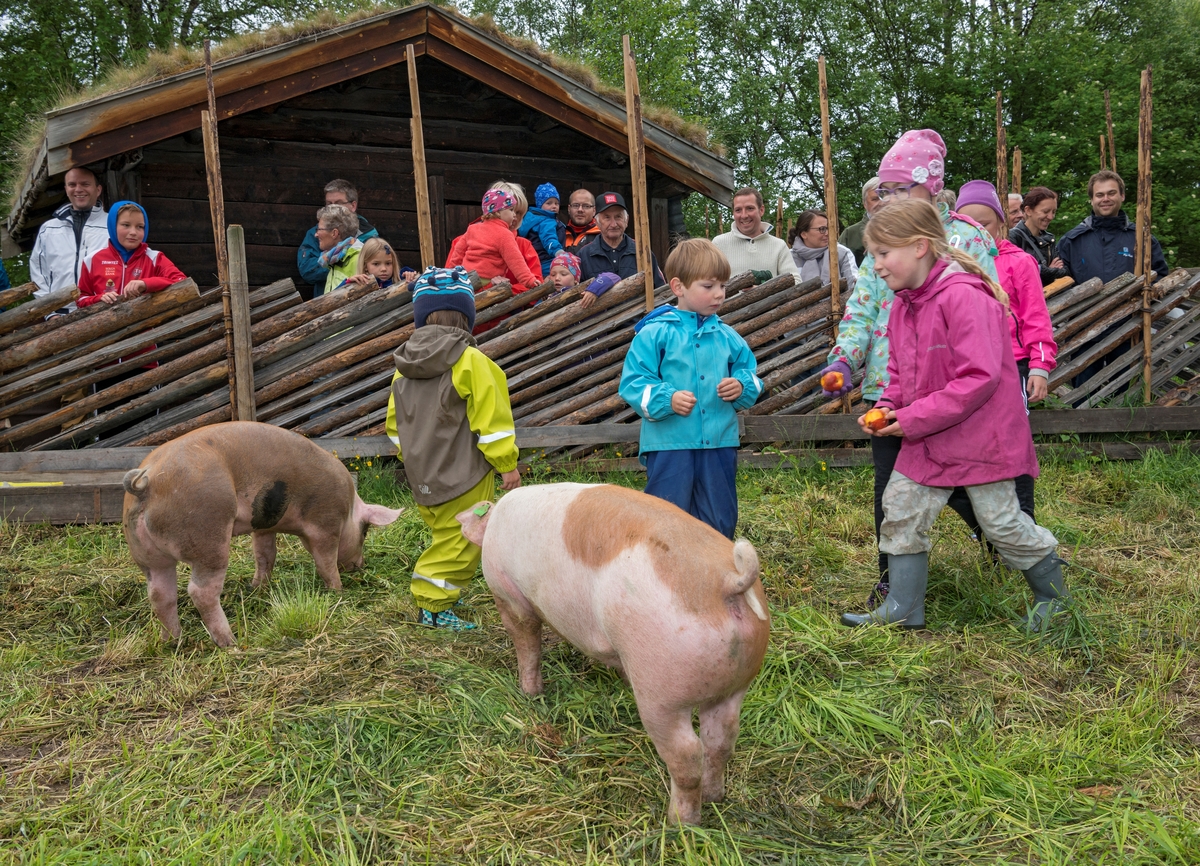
x=1105, y=244
x=308, y=257
x=581, y=221
x=852, y=237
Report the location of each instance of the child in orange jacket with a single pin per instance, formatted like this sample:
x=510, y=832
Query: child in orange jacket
x=489, y=247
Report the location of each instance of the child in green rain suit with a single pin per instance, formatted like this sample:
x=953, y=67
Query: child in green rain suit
x=451, y=420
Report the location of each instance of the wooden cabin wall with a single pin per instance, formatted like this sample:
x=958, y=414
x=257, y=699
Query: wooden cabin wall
x=276, y=161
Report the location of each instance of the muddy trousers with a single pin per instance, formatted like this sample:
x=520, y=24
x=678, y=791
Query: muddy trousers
x=449, y=563
x=911, y=508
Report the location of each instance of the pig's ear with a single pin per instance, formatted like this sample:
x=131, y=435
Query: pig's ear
x=474, y=522
x=377, y=515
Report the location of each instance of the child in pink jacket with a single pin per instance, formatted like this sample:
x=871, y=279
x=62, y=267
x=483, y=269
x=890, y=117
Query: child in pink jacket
x=1029, y=325
x=953, y=395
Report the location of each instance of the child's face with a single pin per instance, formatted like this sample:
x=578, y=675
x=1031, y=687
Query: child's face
x=131, y=228
x=550, y=205
x=703, y=297
x=508, y=216
x=380, y=268
x=562, y=278
x=903, y=267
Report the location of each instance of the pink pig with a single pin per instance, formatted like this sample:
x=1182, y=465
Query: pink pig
x=192, y=495
x=640, y=585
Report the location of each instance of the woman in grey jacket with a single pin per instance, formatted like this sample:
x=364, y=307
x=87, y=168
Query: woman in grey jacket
x=810, y=250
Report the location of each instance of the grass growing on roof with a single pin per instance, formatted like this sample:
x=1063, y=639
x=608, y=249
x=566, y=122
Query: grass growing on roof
x=342, y=733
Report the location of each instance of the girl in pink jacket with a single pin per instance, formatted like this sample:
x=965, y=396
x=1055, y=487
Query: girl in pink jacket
x=954, y=396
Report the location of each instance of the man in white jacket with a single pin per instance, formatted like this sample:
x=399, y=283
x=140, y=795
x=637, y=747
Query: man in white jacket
x=77, y=229
x=750, y=246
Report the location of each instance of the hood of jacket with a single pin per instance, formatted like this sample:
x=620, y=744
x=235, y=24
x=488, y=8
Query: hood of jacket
x=669, y=314
x=431, y=351
x=112, y=230
x=764, y=229
x=1118, y=222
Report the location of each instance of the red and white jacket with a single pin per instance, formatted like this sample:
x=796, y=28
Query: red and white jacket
x=104, y=271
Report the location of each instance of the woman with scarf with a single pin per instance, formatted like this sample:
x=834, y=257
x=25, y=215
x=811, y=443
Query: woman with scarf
x=810, y=250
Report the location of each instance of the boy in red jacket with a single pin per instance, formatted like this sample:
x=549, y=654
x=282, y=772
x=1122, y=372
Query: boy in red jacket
x=126, y=268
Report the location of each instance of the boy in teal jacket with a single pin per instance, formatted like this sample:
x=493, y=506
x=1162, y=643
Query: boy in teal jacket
x=687, y=373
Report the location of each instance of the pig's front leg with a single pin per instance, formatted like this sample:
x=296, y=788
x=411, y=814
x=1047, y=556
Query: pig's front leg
x=324, y=549
x=205, y=591
x=718, y=732
x=525, y=629
x=162, y=585
x=264, y=558
x=681, y=750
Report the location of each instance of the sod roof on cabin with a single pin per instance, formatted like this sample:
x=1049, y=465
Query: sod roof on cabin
x=95, y=124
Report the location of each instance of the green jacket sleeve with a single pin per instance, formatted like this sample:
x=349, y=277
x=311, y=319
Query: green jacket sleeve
x=393, y=432
x=483, y=385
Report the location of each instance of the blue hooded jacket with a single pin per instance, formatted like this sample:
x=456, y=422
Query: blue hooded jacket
x=677, y=350
x=112, y=229
x=542, y=229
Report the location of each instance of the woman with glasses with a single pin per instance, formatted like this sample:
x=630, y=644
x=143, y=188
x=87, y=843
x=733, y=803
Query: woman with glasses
x=913, y=168
x=809, y=240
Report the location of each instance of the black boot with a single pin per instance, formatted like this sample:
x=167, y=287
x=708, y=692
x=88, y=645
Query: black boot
x=905, y=603
x=1049, y=594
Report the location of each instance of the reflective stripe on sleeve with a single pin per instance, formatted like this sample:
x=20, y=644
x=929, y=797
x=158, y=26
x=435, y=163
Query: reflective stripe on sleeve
x=495, y=437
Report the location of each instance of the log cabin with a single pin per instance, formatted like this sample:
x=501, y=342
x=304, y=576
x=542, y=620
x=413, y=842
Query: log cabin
x=334, y=102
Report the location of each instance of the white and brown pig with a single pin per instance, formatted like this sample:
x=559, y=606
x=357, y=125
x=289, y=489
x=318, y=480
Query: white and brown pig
x=193, y=494
x=640, y=585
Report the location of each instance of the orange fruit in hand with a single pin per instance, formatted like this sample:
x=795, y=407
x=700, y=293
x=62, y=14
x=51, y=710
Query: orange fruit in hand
x=833, y=381
x=876, y=419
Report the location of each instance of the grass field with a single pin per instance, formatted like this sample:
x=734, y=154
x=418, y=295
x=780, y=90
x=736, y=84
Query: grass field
x=342, y=733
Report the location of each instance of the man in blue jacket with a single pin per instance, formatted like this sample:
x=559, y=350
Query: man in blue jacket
x=613, y=251
x=308, y=259
x=1105, y=244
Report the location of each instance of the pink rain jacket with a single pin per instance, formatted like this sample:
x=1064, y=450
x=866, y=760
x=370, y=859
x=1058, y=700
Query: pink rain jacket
x=1029, y=324
x=954, y=384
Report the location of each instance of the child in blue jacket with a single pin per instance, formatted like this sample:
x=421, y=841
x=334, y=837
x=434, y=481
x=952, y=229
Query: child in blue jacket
x=542, y=228
x=687, y=373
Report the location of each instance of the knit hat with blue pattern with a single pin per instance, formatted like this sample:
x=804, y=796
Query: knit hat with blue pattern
x=443, y=289
x=544, y=193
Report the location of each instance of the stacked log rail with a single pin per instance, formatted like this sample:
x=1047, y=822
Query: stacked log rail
x=323, y=367
x=1092, y=321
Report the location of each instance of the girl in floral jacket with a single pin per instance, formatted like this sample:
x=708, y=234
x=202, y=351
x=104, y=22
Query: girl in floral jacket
x=913, y=168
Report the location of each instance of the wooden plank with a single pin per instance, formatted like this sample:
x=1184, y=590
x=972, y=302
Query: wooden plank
x=33, y=311
x=68, y=504
x=16, y=293
x=420, y=175
x=239, y=296
x=637, y=167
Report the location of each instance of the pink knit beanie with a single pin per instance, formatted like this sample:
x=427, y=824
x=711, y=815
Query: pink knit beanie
x=919, y=156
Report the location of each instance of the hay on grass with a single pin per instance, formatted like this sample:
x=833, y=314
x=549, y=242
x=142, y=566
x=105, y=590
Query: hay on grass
x=358, y=737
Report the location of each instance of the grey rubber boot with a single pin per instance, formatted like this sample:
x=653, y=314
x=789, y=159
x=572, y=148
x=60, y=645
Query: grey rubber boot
x=905, y=602
x=1049, y=595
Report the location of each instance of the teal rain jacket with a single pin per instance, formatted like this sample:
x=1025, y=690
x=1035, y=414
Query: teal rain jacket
x=673, y=350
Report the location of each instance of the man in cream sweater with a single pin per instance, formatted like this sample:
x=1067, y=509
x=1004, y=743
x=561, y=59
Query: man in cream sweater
x=750, y=246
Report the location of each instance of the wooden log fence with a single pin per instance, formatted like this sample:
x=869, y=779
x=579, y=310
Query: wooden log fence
x=323, y=367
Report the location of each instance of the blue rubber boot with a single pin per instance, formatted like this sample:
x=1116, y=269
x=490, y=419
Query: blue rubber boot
x=445, y=619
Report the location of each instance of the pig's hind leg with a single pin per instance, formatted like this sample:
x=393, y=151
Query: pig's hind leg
x=525, y=628
x=264, y=558
x=208, y=579
x=719, y=725
x=671, y=731
x=162, y=585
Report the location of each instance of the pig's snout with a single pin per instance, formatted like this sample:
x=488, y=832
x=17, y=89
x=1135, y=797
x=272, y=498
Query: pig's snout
x=474, y=522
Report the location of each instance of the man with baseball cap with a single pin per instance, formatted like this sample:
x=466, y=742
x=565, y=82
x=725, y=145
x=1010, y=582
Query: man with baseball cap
x=613, y=251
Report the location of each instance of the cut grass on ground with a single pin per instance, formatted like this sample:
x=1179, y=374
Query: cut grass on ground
x=342, y=733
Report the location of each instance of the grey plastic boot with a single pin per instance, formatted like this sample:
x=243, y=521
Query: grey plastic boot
x=1049, y=594
x=905, y=602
